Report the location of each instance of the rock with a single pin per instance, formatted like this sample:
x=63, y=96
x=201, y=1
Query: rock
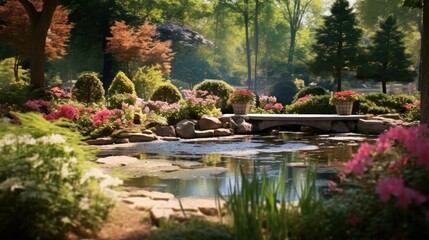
x=137, y=118
x=339, y=127
x=141, y=203
x=141, y=137
x=204, y=134
x=169, y=139
x=228, y=122
x=185, y=129
x=158, y=213
x=207, y=206
x=220, y=132
x=152, y=195
x=371, y=126
x=165, y=131
x=243, y=127
x=101, y=141
x=208, y=123
x=387, y=121
x=395, y=116
x=117, y=161
x=121, y=140
x=188, y=164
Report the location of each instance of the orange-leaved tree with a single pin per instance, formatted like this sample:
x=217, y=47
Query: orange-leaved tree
x=137, y=48
x=17, y=33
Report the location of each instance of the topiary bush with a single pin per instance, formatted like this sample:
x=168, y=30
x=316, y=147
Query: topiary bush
x=88, y=89
x=218, y=88
x=167, y=93
x=311, y=90
x=121, y=84
x=45, y=191
x=146, y=80
x=312, y=105
x=284, y=90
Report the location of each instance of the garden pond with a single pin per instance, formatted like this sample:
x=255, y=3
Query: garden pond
x=204, y=167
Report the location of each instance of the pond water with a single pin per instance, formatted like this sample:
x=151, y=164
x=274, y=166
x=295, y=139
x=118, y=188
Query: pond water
x=212, y=166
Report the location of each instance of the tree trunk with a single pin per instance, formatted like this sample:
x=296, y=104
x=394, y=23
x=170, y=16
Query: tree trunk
x=338, y=78
x=424, y=108
x=16, y=68
x=383, y=86
x=256, y=46
x=40, y=23
x=291, y=53
x=420, y=71
x=249, y=63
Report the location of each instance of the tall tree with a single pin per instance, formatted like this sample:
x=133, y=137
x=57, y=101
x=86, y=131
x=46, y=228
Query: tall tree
x=387, y=54
x=424, y=84
x=40, y=21
x=139, y=48
x=293, y=12
x=337, y=41
x=246, y=8
x=16, y=34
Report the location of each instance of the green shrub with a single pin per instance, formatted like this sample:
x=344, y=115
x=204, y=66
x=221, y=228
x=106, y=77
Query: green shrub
x=116, y=100
x=313, y=105
x=45, y=192
x=15, y=93
x=311, y=90
x=146, y=80
x=194, y=229
x=218, y=88
x=284, y=90
x=380, y=103
x=167, y=93
x=121, y=84
x=88, y=89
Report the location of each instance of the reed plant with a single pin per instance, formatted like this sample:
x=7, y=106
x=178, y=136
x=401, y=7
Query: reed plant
x=259, y=208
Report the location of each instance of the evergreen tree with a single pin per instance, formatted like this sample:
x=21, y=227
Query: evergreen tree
x=337, y=41
x=388, y=59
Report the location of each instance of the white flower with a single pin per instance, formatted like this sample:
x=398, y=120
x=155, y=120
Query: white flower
x=8, y=139
x=53, y=139
x=68, y=149
x=12, y=184
x=26, y=139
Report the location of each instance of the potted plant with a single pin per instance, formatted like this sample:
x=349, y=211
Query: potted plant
x=242, y=101
x=344, y=100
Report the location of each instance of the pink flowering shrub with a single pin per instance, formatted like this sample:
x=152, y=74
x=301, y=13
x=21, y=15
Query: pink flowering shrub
x=412, y=111
x=198, y=103
x=303, y=99
x=384, y=187
x=268, y=104
x=60, y=93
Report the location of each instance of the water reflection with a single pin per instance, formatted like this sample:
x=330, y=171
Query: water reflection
x=331, y=153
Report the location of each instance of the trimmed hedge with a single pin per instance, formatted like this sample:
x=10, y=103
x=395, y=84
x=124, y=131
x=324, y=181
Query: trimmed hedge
x=121, y=84
x=311, y=90
x=219, y=88
x=167, y=93
x=88, y=88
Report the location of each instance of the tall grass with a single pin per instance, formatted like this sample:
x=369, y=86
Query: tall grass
x=260, y=209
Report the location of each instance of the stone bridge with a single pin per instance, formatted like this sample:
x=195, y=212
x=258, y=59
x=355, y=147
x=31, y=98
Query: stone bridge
x=322, y=122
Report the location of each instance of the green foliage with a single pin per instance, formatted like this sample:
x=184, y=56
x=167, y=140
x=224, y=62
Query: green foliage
x=193, y=229
x=167, y=93
x=313, y=105
x=311, y=90
x=389, y=61
x=146, y=80
x=14, y=93
x=121, y=84
x=380, y=103
x=284, y=90
x=116, y=100
x=7, y=73
x=337, y=41
x=88, y=89
x=217, y=88
x=45, y=192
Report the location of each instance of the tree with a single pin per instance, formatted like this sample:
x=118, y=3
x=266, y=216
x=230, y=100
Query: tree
x=40, y=21
x=293, y=12
x=246, y=9
x=138, y=48
x=337, y=41
x=17, y=34
x=424, y=84
x=388, y=60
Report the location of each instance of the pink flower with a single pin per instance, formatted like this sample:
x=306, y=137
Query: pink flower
x=118, y=122
x=333, y=187
x=303, y=99
x=395, y=187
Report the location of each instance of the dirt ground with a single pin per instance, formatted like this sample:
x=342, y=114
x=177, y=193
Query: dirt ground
x=125, y=223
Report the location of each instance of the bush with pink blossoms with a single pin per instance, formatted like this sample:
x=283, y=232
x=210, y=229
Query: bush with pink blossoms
x=168, y=111
x=268, y=104
x=412, y=111
x=194, y=107
x=383, y=191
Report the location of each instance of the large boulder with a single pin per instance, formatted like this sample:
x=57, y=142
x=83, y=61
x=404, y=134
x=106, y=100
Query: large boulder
x=371, y=126
x=165, y=131
x=228, y=122
x=185, y=129
x=243, y=127
x=208, y=123
x=204, y=133
x=141, y=137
